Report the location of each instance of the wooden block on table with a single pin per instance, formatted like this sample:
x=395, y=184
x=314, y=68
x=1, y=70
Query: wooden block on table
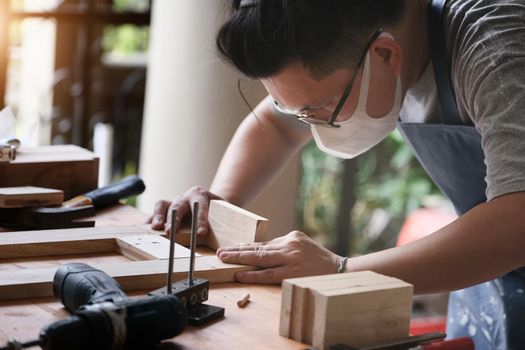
x=69, y=168
x=29, y=196
x=359, y=309
x=230, y=224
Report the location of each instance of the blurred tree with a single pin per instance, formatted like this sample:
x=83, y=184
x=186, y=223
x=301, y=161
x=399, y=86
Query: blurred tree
x=390, y=185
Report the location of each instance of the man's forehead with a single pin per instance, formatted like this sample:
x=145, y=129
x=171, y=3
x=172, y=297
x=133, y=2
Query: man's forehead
x=295, y=88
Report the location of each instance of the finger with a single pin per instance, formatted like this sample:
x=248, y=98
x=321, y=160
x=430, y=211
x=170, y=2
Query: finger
x=159, y=215
x=239, y=247
x=260, y=257
x=203, y=227
x=182, y=208
x=273, y=275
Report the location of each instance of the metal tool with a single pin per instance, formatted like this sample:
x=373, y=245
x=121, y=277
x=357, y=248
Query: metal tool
x=192, y=291
x=108, y=195
x=68, y=215
x=104, y=317
x=46, y=218
x=8, y=148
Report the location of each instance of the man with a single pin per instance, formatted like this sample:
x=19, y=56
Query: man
x=344, y=72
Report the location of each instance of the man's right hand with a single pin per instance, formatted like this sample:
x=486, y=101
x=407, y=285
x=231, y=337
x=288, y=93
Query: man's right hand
x=161, y=218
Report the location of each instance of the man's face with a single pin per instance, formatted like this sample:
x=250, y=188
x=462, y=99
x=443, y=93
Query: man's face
x=295, y=89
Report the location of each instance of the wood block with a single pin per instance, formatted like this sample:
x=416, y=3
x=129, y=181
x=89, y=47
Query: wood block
x=29, y=196
x=230, y=224
x=69, y=168
x=359, y=309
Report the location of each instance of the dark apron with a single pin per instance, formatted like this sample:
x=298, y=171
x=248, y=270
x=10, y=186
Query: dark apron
x=492, y=313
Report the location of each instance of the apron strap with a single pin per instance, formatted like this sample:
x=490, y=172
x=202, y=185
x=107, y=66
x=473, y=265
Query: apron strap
x=438, y=50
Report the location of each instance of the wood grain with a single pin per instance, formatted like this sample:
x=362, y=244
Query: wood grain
x=65, y=167
x=131, y=275
x=360, y=309
x=230, y=224
x=29, y=196
x=25, y=244
x=149, y=247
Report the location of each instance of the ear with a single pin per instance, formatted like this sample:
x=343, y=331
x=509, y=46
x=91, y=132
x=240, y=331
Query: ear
x=390, y=53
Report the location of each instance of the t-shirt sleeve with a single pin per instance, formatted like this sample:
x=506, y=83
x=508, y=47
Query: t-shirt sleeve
x=489, y=79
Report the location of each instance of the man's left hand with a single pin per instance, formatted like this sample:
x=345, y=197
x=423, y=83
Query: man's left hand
x=293, y=255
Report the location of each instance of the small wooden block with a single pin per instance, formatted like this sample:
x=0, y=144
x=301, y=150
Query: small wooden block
x=230, y=224
x=359, y=309
x=65, y=167
x=149, y=247
x=29, y=196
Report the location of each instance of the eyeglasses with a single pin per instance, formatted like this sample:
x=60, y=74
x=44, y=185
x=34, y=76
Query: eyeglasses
x=315, y=116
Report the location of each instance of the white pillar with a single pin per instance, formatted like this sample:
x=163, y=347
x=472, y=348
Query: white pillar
x=193, y=108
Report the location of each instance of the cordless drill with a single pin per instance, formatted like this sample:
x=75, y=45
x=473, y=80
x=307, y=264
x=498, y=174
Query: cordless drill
x=104, y=317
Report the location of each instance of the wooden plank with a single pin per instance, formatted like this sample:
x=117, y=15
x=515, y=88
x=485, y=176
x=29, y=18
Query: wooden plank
x=230, y=224
x=360, y=309
x=132, y=275
x=149, y=247
x=25, y=244
x=66, y=167
x=29, y=196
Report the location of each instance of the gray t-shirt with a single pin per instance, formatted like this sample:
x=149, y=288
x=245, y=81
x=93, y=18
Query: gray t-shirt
x=486, y=45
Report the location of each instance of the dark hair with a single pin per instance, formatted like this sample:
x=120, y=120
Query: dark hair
x=262, y=39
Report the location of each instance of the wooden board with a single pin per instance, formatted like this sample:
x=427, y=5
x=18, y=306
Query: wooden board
x=149, y=247
x=27, y=244
x=132, y=275
x=65, y=167
x=29, y=196
x=359, y=309
x=230, y=224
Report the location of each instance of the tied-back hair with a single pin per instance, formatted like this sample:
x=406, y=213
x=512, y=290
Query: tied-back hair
x=262, y=37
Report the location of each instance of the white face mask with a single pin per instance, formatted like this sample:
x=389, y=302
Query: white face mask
x=360, y=132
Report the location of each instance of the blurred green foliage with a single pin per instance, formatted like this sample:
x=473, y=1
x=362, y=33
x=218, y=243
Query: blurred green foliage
x=131, y=5
x=125, y=39
x=390, y=184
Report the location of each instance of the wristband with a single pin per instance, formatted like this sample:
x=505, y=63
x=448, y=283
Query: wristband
x=342, y=264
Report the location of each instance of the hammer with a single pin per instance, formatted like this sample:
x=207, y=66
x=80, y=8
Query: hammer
x=78, y=207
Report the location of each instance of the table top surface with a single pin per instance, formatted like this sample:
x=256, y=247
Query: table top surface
x=255, y=326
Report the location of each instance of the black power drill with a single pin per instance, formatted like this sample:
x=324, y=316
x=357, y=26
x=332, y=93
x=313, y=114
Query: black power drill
x=104, y=317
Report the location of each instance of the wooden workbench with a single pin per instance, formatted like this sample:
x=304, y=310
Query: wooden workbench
x=253, y=327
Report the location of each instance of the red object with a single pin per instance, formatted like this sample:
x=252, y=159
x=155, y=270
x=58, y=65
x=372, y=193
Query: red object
x=423, y=222
x=428, y=325
x=464, y=343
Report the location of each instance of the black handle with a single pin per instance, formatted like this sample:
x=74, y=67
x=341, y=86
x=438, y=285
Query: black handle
x=111, y=194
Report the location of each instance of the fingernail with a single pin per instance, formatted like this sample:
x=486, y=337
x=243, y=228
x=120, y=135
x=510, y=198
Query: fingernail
x=223, y=255
x=200, y=230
